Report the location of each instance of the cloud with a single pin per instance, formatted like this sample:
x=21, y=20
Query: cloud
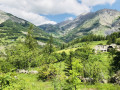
x=48, y=6
x=31, y=10
x=97, y=2
x=29, y=16
x=69, y=18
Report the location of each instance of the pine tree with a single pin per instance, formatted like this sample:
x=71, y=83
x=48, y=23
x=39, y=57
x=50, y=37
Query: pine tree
x=30, y=41
x=114, y=39
x=116, y=62
x=69, y=64
x=109, y=41
x=48, y=48
x=64, y=55
x=50, y=44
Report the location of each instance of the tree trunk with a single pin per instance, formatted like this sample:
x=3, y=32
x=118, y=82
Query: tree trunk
x=75, y=87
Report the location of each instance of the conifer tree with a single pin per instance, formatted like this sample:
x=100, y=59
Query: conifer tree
x=48, y=48
x=50, y=44
x=69, y=64
x=116, y=62
x=30, y=41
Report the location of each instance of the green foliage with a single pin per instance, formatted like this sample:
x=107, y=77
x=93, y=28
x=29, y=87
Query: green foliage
x=6, y=67
x=116, y=62
x=86, y=64
x=59, y=82
x=112, y=38
x=57, y=56
x=18, y=56
x=49, y=46
x=23, y=56
x=100, y=44
x=30, y=41
x=87, y=38
x=47, y=72
x=63, y=46
x=118, y=41
x=6, y=80
x=11, y=30
x=92, y=37
x=64, y=56
x=77, y=69
x=68, y=64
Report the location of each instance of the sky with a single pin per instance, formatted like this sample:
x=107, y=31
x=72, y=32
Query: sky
x=41, y=12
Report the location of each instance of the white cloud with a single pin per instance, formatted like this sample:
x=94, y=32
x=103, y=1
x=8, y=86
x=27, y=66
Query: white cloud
x=97, y=2
x=29, y=16
x=48, y=6
x=69, y=18
x=32, y=9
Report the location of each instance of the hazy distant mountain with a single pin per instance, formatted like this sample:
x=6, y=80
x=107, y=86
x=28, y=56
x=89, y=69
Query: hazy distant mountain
x=102, y=22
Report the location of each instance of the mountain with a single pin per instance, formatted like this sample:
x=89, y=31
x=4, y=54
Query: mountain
x=102, y=22
x=13, y=28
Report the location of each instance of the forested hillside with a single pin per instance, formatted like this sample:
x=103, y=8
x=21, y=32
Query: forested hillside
x=14, y=28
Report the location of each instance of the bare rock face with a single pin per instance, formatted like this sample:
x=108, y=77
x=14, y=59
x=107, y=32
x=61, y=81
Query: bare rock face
x=3, y=17
x=107, y=16
x=6, y=16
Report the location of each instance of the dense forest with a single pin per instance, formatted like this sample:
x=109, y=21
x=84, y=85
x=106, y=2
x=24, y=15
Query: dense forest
x=25, y=65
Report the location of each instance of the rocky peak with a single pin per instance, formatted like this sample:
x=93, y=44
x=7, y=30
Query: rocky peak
x=3, y=17
x=99, y=22
x=107, y=11
x=107, y=16
x=6, y=16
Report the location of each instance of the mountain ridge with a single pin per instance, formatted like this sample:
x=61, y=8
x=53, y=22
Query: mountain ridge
x=100, y=22
x=13, y=28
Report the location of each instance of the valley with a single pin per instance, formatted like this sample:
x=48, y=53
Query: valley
x=61, y=56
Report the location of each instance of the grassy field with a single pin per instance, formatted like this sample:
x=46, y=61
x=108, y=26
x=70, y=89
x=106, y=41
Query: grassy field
x=30, y=82
x=79, y=45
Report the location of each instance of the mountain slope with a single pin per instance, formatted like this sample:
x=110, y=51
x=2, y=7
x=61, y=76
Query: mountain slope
x=13, y=28
x=102, y=22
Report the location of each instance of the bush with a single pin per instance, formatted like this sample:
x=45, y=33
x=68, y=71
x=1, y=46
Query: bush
x=6, y=80
x=116, y=62
x=47, y=72
x=6, y=67
x=118, y=41
x=57, y=56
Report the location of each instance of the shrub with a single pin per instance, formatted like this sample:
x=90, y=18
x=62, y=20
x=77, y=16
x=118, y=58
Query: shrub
x=6, y=67
x=47, y=72
x=6, y=80
x=118, y=41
